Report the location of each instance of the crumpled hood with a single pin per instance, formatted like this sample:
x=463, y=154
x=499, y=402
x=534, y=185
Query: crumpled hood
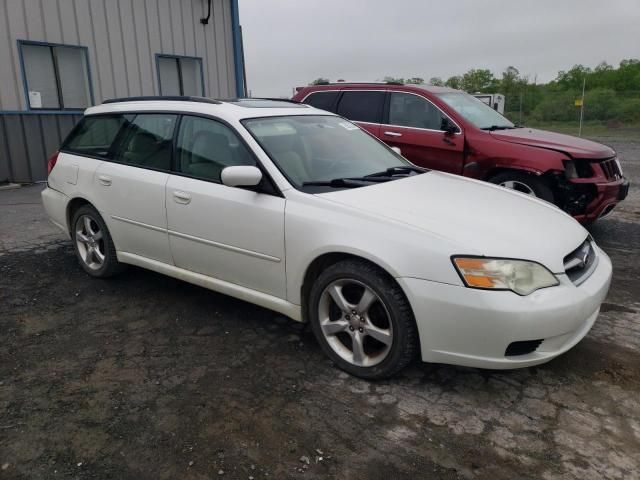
x=573, y=146
x=484, y=219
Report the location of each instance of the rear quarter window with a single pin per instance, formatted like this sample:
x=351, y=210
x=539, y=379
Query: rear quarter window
x=362, y=106
x=94, y=135
x=323, y=100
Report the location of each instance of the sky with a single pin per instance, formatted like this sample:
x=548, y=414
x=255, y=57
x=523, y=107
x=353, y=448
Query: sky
x=289, y=43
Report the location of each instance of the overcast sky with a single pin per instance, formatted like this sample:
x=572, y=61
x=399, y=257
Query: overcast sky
x=291, y=42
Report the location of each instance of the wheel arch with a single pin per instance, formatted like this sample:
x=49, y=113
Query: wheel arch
x=72, y=206
x=325, y=260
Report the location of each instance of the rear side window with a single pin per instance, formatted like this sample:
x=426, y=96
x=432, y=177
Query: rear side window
x=362, y=106
x=94, y=135
x=323, y=100
x=147, y=141
x=407, y=110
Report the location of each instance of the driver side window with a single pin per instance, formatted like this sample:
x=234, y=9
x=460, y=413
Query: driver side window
x=205, y=147
x=407, y=110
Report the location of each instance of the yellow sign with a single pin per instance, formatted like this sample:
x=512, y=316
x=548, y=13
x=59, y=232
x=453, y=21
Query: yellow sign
x=578, y=102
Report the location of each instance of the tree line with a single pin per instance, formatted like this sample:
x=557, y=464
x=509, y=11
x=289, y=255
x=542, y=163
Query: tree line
x=612, y=93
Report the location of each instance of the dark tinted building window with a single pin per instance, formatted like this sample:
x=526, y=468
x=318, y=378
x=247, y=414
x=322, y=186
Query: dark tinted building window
x=409, y=110
x=147, y=142
x=362, y=106
x=322, y=100
x=94, y=135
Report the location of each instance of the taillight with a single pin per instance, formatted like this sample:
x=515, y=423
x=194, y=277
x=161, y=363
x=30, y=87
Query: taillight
x=52, y=162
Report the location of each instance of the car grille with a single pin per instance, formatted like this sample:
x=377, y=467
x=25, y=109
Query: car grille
x=610, y=168
x=580, y=263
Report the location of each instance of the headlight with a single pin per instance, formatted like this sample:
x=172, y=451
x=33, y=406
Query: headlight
x=519, y=276
x=577, y=169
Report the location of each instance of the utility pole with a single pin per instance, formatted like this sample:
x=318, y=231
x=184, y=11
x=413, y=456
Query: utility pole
x=584, y=82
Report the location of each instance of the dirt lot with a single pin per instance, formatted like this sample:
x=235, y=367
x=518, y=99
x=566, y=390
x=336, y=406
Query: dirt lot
x=145, y=377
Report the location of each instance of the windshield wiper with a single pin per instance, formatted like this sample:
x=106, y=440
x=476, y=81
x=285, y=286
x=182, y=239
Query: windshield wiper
x=391, y=171
x=498, y=127
x=339, y=182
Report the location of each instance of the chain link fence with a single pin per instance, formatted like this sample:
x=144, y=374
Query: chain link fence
x=610, y=108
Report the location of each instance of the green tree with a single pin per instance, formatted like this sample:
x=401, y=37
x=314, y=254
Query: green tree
x=320, y=81
x=478, y=80
x=436, y=82
x=389, y=79
x=415, y=80
x=454, y=82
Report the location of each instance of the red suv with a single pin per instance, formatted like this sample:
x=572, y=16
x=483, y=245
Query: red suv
x=452, y=131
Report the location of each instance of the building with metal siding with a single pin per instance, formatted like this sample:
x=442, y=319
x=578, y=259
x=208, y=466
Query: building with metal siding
x=59, y=56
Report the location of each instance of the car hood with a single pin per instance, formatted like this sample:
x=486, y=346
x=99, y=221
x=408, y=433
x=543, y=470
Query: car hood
x=573, y=146
x=475, y=217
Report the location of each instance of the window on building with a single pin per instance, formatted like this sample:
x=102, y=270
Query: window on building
x=180, y=75
x=362, y=106
x=56, y=76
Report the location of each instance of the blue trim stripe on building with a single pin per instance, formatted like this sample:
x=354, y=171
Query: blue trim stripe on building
x=238, y=59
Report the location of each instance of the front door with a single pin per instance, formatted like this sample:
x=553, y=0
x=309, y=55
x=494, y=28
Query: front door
x=232, y=234
x=416, y=126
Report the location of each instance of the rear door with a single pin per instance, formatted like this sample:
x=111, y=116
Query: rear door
x=365, y=107
x=416, y=126
x=130, y=187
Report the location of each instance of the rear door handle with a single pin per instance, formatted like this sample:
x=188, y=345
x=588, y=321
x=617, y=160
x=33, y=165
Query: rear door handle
x=182, y=197
x=104, y=180
x=393, y=134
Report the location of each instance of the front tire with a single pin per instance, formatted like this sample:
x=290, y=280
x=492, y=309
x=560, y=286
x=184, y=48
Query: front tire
x=362, y=320
x=93, y=244
x=524, y=183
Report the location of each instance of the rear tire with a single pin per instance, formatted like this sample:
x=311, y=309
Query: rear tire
x=524, y=183
x=93, y=244
x=362, y=320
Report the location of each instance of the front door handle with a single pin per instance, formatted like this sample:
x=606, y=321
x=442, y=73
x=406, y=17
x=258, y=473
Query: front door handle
x=393, y=134
x=182, y=197
x=448, y=141
x=104, y=180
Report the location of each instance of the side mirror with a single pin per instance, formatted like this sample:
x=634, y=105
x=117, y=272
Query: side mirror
x=448, y=126
x=241, y=176
x=397, y=150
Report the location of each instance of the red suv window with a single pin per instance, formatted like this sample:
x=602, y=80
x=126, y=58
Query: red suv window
x=362, y=106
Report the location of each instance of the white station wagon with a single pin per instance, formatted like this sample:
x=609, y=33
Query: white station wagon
x=302, y=212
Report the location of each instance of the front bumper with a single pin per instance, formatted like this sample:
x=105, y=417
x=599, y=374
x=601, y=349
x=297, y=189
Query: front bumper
x=607, y=196
x=464, y=326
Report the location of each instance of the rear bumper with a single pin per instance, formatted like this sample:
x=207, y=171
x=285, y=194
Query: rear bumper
x=55, y=204
x=474, y=328
x=608, y=195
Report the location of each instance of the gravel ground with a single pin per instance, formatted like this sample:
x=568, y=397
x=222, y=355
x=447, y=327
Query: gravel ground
x=146, y=377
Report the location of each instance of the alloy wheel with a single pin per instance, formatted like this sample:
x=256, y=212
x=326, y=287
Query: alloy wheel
x=355, y=322
x=90, y=242
x=518, y=187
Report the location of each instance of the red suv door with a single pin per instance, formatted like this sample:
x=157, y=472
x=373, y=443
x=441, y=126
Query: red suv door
x=416, y=126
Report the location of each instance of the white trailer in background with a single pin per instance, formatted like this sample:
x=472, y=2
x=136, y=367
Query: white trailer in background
x=494, y=100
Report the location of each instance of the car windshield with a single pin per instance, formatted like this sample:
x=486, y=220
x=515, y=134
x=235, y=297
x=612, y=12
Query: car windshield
x=326, y=151
x=476, y=111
